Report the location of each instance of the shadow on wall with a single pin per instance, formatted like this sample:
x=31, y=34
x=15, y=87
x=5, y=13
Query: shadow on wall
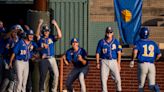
x=153, y=22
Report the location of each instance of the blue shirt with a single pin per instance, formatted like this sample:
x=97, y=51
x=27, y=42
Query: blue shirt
x=73, y=56
x=50, y=41
x=22, y=50
x=10, y=43
x=108, y=50
x=147, y=50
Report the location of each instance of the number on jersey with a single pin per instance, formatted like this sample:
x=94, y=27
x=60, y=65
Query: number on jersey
x=148, y=50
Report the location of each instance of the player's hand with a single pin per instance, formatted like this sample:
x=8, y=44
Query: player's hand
x=40, y=21
x=10, y=65
x=80, y=58
x=131, y=64
x=54, y=22
x=45, y=46
x=98, y=65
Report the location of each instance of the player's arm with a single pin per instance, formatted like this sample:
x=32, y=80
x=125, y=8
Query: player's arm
x=134, y=56
x=83, y=61
x=59, y=33
x=119, y=57
x=63, y=59
x=40, y=22
x=158, y=56
x=98, y=60
x=11, y=60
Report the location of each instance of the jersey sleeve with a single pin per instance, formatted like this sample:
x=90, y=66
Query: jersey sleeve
x=136, y=46
x=157, y=50
x=119, y=47
x=17, y=47
x=53, y=38
x=83, y=53
x=68, y=56
x=98, y=50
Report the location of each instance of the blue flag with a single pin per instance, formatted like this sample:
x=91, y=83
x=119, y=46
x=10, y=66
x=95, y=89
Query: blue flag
x=128, y=16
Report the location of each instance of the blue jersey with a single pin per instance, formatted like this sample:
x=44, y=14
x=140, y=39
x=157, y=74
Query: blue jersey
x=73, y=56
x=2, y=45
x=108, y=50
x=22, y=50
x=10, y=43
x=147, y=50
x=50, y=41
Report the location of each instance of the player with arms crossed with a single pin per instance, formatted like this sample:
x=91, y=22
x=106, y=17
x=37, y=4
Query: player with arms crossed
x=147, y=52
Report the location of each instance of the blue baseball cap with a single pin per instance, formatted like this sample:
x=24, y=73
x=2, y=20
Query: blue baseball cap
x=109, y=29
x=74, y=40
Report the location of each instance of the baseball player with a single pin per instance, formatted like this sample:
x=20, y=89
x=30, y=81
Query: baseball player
x=109, y=50
x=147, y=52
x=22, y=54
x=9, y=74
x=48, y=62
x=77, y=56
x=2, y=45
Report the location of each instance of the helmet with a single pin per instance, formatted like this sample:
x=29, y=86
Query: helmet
x=30, y=32
x=45, y=28
x=144, y=33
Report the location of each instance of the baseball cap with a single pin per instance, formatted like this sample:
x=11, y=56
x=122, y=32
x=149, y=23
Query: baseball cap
x=109, y=29
x=74, y=40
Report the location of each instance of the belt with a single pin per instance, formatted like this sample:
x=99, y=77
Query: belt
x=145, y=62
x=48, y=57
x=23, y=60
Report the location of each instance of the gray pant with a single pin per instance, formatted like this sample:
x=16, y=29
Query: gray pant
x=73, y=75
x=22, y=70
x=51, y=65
x=106, y=67
x=146, y=69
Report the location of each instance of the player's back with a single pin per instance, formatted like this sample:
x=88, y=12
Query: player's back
x=147, y=50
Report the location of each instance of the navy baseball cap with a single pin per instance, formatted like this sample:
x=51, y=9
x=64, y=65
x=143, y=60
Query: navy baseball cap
x=109, y=29
x=74, y=40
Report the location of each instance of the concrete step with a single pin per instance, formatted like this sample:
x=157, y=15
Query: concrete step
x=153, y=11
x=147, y=11
x=154, y=3
x=102, y=18
x=160, y=23
x=127, y=52
x=151, y=20
x=156, y=31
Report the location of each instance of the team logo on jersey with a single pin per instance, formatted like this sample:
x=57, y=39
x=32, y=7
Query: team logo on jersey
x=24, y=44
x=113, y=46
x=8, y=46
x=126, y=15
x=31, y=47
x=104, y=50
x=50, y=41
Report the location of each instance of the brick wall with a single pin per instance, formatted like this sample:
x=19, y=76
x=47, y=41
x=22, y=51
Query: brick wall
x=128, y=76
